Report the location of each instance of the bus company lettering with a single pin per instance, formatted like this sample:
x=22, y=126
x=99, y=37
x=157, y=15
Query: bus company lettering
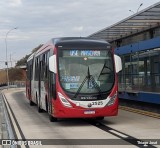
x=70, y=78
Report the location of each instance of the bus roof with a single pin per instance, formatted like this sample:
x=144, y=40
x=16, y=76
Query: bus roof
x=57, y=41
x=31, y=57
x=73, y=42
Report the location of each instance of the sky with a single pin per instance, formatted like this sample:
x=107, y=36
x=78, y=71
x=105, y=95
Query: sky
x=38, y=21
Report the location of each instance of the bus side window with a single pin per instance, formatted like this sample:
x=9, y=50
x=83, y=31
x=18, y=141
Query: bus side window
x=28, y=70
x=36, y=70
x=43, y=67
x=52, y=79
x=46, y=65
x=52, y=82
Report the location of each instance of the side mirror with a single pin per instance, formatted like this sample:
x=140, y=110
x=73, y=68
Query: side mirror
x=118, y=63
x=52, y=64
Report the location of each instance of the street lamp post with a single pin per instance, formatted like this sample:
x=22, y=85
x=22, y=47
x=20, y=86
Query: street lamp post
x=139, y=6
x=11, y=58
x=7, y=76
x=137, y=9
x=132, y=11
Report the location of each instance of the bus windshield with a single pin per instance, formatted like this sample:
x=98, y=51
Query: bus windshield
x=86, y=71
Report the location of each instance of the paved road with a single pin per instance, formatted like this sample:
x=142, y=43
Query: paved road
x=34, y=125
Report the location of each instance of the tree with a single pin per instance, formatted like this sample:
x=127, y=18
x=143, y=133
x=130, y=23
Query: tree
x=23, y=61
x=38, y=47
x=16, y=74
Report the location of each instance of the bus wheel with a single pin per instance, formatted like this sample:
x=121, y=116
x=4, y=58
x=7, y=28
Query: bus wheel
x=38, y=106
x=31, y=103
x=52, y=119
x=100, y=118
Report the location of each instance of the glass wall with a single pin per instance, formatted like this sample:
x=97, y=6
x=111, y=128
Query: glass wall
x=149, y=34
x=136, y=38
x=141, y=71
x=157, y=32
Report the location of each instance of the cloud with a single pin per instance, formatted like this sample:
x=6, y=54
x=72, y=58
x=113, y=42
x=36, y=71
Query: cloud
x=15, y=3
x=40, y=20
x=78, y=28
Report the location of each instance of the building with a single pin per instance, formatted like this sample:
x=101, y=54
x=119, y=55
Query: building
x=137, y=40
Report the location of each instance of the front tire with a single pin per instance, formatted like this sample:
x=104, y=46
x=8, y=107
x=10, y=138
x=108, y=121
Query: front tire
x=52, y=119
x=99, y=118
x=49, y=110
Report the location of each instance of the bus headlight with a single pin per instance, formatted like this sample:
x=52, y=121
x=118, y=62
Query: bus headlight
x=64, y=101
x=112, y=99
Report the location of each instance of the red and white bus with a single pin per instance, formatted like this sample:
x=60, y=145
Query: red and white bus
x=74, y=78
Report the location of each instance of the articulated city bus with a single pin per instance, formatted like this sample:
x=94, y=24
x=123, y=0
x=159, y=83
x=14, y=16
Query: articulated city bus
x=74, y=78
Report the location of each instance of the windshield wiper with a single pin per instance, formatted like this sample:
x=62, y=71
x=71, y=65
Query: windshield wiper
x=89, y=77
x=103, y=71
x=97, y=86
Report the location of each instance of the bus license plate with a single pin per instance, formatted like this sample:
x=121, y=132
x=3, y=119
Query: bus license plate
x=89, y=112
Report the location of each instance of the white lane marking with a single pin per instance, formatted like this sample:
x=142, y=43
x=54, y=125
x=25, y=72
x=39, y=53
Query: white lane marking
x=13, y=121
x=119, y=134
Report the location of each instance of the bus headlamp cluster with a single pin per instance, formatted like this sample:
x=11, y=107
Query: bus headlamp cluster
x=64, y=100
x=112, y=99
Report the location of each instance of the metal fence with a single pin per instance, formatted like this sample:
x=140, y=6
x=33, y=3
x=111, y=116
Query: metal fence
x=15, y=84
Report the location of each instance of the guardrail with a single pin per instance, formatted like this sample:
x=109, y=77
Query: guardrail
x=6, y=131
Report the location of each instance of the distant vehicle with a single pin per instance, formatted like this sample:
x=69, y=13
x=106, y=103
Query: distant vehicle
x=74, y=78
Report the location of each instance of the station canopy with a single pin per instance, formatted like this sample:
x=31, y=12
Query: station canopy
x=138, y=22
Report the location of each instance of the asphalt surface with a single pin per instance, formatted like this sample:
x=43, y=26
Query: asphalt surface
x=120, y=131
